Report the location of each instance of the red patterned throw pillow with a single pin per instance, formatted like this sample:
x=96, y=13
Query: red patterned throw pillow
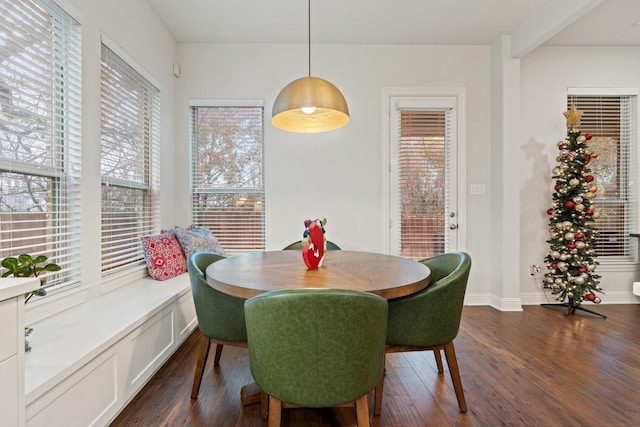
x=164, y=256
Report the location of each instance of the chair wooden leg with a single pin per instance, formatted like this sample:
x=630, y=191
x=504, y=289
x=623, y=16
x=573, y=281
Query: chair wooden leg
x=377, y=402
x=264, y=405
x=438, y=356
x=275, y=412
x=203, y=353
x=452, y=362
x=362, y=411
x=216, y=359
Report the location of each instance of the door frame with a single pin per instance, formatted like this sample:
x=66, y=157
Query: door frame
x=459, y=94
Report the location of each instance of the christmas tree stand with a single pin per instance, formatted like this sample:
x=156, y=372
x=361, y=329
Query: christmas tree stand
x=572, y=308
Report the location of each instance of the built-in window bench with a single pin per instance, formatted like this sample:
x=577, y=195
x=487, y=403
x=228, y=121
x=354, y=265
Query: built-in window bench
x=89, y=361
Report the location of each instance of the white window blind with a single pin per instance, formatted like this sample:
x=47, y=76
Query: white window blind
x=422, y=177
x=40, y=78
x=227, y=174
x=129, y=133
x=611, y=121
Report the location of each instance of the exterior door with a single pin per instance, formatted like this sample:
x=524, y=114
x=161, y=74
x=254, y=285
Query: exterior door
x=423, y=176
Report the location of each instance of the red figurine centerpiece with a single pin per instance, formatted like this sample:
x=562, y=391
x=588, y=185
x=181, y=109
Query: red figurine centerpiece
x=313, y=250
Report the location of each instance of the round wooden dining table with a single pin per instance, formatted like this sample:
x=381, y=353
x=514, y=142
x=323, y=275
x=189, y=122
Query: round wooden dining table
x=248, y=275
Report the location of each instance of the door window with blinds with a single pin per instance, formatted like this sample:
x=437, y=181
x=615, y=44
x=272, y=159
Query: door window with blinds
x=129, y=162
x=40, y=69
x=422, y=177
x=227, y=174
x=612, y=122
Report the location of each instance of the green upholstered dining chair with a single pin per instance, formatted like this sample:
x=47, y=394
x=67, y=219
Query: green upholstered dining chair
x=220, y=316
x=298, y=246
x=316, y=348
x=430, y=319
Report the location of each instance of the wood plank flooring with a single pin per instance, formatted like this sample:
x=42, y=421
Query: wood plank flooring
x=537, y=367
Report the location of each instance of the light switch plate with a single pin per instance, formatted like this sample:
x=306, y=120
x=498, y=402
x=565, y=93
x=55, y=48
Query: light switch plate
x=477, y=188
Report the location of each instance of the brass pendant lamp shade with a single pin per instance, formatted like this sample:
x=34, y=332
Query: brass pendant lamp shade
x=310, y=104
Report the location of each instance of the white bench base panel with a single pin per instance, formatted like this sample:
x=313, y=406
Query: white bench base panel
x=88, y=362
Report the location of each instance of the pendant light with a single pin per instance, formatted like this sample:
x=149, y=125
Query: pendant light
x=310, y=104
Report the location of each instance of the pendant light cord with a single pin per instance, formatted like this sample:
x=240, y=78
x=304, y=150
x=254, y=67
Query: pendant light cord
x=309, y=35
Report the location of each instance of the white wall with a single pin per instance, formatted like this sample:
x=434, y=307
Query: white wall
x=505, y=132
x=546, y=73
x=339, y=174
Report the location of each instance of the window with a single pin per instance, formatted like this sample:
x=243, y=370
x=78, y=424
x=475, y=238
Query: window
x=129, y=134
x=611, y=121
x=40, y=75
x=423, y=176
x=227, y=174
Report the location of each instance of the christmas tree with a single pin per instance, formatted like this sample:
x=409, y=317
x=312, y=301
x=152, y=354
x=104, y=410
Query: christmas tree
x=571, y=261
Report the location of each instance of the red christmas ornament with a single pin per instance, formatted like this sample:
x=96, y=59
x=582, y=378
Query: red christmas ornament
x=557, y=187
x=588, y=136
x=570, y=204
x=549, y=211
x=570, y=246
x=588, y=212
x=590, y=297
x=579, y=235
x=554, y=266
x=562, y=146
x=582, y=269
x=589, y=178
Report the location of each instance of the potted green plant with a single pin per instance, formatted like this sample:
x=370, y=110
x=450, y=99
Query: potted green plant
x=27, y=266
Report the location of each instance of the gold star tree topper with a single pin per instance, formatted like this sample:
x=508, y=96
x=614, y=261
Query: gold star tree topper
x=573, y=116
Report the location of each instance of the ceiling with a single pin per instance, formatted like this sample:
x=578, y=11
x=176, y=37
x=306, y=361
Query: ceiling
x=435, y=22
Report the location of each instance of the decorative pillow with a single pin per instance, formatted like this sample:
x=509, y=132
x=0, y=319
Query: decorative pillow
x=164, y=256
x=198, y=239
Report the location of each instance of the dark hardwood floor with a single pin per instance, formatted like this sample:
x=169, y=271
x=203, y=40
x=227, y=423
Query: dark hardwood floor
x=530, y=368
